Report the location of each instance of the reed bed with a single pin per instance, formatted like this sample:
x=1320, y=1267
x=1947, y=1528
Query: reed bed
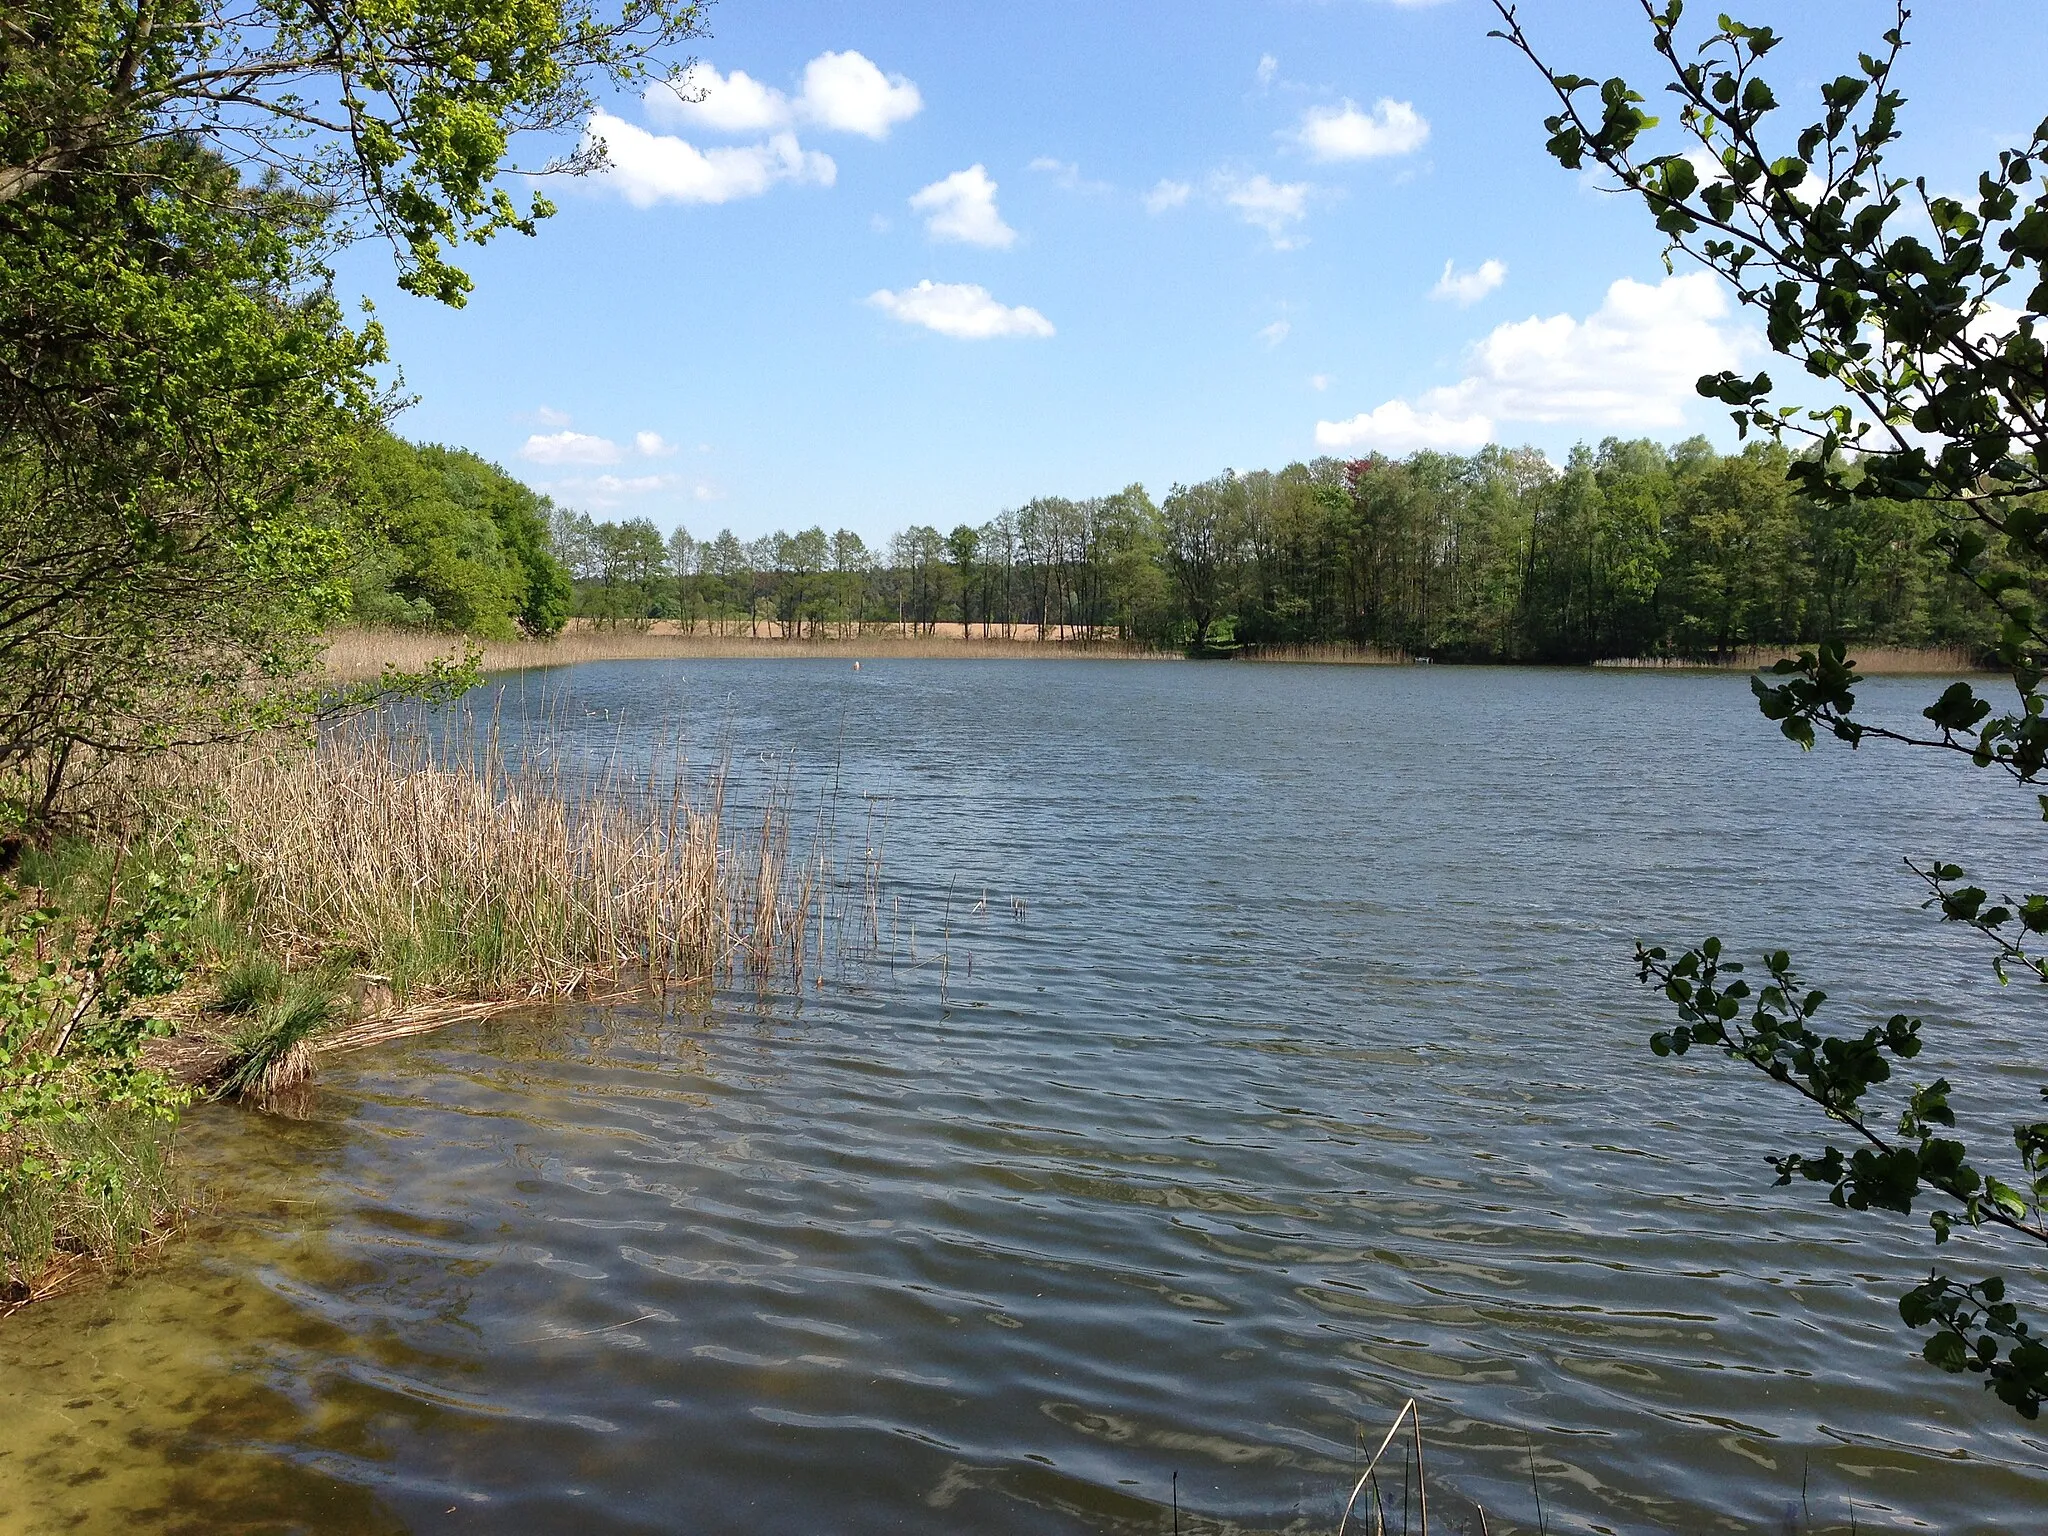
x=1896, y=660
x=359, y=654
x=438, y=864
x=1335, y=655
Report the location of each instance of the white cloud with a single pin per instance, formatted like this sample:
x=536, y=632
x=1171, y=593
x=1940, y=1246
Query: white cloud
x=1994, y=323
x=602, y=493
x=650, y=168
x=1066, y=174
x=1268, y=68
x=569, y=448
x=963, y=207
x=1630, y=366
x=653, y=445
x=841, y=91
x=1272, y=335
x=703, y=98
x=1168, y=194
x=965, y=311
x=846, y=92
x=1319, y=381
x=548, y=416
x=1345, y=133
x=1266, y=204
x=1398, y=428
x=1470, y=287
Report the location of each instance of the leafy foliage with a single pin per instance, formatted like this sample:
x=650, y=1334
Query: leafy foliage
x=450, y=541
x=1772, y=1029
x=172, y=382
x=1631, y=548
x=1923, y=314
x=399, y=115
x=73, y=1020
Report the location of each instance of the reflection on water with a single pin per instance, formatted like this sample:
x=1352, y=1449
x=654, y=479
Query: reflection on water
x=1310, y=1077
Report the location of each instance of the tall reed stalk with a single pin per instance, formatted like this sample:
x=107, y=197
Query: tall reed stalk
x=448, y=864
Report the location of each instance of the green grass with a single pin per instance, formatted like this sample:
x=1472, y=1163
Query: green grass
x=273, y=1050
x=117, y=1190
x=248, y=986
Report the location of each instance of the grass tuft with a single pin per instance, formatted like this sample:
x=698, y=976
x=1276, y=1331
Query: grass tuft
x=249, y=986
x=274, y=1050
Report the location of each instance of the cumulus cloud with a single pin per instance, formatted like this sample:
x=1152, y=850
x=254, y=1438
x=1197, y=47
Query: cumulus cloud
x=965, y=311
x=1398, y=428
x=548, y=416
x=1630, y=366
x=963, y=207
x=1272, y=335
x=649, y=168
x=1345, y=133
x=1470, y=287
x=703, y=98
x=1168, y=194
x=569, y=448
x=1268, y=68
x=1274, y=206
x=653, y=445
x=1319, y=381
x=845, y=92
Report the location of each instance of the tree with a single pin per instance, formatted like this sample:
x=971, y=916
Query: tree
x=722, y=570
x=398, y=115
x=1202, y=528
x=682, y=564
x=963, y=548
x=1895, y=297
x=175, y=392
x=851, y=564
x=801, y=560
x=447, y=540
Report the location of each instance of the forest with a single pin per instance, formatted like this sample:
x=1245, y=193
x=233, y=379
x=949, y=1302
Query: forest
x=1630, y=549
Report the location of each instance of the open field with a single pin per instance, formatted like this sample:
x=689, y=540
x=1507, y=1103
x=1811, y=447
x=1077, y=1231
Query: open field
x=354, y=654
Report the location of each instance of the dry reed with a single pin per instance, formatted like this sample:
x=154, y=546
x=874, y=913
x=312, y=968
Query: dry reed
x=359, y=654
x=1341, y=654
x=447, y=867
x=1871, y=660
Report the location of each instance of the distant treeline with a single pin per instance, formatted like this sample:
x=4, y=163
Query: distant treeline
x=1630, y=549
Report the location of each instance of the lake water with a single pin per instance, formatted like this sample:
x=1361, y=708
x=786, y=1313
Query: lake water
x=1250, y=1049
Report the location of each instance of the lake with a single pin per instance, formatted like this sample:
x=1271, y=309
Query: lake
x=1246, y=1049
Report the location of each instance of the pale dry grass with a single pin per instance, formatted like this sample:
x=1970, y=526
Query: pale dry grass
x=358, y=654
x=1870, y=660
x=448, y=869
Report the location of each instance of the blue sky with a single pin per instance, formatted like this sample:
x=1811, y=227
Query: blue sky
x=1161, y=238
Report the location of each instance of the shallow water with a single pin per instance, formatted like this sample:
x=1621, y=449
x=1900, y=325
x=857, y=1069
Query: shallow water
x=1266, y=1052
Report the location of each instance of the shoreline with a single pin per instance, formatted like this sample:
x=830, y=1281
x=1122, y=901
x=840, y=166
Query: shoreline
x=356, y=655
